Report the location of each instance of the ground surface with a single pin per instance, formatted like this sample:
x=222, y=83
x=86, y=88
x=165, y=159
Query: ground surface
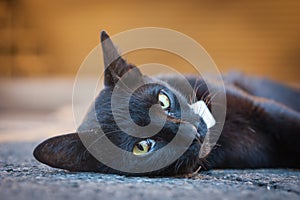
x=21, y=177
x=29, y=112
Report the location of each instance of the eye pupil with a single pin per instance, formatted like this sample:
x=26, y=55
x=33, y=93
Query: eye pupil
x=143, y=147
x=140, y=147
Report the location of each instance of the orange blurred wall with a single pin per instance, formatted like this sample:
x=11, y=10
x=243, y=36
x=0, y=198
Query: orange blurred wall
x=49, y=38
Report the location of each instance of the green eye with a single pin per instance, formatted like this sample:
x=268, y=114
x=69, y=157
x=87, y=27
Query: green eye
x=164, y=101
x=143, y=147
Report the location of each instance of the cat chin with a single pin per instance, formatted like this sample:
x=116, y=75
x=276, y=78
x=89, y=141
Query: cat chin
x=189, y=162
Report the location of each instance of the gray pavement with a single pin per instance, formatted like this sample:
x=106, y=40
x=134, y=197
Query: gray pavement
x=29, y=113
x=22, y=177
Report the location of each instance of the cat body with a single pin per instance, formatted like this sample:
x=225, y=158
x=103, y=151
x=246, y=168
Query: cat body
x=261, y=129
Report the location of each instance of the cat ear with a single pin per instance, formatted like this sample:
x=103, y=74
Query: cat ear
x=115, y=65
x=66, y=152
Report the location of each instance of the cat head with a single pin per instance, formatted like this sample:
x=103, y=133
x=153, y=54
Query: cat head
x=146, y=117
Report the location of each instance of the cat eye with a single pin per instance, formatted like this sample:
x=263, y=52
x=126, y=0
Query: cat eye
x=143, y=147
x=164, y=101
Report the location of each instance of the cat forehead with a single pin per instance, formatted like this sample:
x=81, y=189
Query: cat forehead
x=102, y=104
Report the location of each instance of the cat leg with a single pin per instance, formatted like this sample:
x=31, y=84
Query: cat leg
x=262, y=87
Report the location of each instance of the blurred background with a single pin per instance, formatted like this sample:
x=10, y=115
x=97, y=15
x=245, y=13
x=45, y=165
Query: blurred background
x=43, y=44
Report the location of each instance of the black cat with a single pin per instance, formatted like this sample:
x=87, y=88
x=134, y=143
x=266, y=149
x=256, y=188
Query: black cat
x=261, y=129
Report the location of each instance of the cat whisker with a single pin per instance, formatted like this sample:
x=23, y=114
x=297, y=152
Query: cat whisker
x=195, y=89
x=212, y=97
x=178, y=165
x=205, y=95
